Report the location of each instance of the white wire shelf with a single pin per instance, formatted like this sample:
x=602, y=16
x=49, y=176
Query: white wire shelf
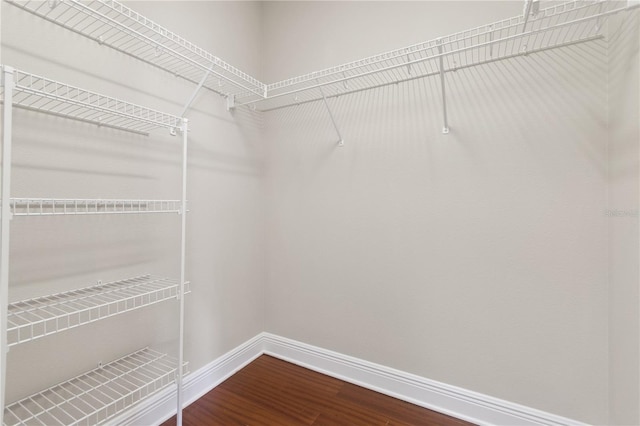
x=94, y=397
x=59, y=206
x=42, y=94
x=31, y=319
x=112, y=24
x=558, y=26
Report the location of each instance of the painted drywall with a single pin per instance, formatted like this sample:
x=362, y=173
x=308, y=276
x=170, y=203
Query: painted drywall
x=478, y=258
x=57, y=158
x=624, y=277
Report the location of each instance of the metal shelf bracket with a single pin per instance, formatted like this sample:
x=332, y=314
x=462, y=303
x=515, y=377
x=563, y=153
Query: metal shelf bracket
x=195, y=92
x=333, y=120
x=445, y=127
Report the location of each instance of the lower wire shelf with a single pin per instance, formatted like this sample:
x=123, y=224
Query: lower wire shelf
x=98, y=395
x=30, y=319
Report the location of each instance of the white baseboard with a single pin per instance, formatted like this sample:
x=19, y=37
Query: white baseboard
x=457, y=402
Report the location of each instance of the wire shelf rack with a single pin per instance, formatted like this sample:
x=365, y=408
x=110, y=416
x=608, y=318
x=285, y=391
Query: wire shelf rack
x=42, y=94
x=59, y=206
x=558, y=26
x=30, y=319
x=94, y=397
x=113, y=24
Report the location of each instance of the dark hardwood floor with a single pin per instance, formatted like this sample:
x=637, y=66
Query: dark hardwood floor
x=273, y=392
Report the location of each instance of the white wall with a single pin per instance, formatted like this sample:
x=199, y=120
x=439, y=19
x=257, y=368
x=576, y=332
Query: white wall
x=57, y=158
x=481, y=259
x=478, y=258
x=624, y=277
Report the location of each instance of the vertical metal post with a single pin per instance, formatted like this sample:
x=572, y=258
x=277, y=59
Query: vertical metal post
x=5, y=217
x=183, y=247
x=445, y=127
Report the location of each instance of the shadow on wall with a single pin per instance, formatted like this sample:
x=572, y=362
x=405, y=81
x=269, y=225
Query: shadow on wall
x=622, y=41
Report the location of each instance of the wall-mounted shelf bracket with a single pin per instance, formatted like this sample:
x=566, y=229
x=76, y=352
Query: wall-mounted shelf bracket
x=531, y=8
x=445, y=127
x=195, y=92
x=231, y=102
x=333, y=120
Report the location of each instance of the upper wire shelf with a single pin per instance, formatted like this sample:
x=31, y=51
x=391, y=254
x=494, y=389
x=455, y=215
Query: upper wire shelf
x=558, y=26
x=98, y=395
x=59, y=206
x=42, y=94
x=113, y=24
x=34, y=318
x=110, y=23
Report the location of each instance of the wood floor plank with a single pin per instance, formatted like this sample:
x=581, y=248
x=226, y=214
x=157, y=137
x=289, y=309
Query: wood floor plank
x=272, y=392
x=399, y=411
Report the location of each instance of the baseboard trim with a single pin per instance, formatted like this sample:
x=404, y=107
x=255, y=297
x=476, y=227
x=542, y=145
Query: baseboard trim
x=162, y=406
x=457, y=402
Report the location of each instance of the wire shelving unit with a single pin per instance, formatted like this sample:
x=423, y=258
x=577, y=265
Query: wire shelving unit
x=113, y=24
x=42, y=94
x=59, y=206
x=562, y=25
x=95, y=396
x=110, y=23
x=102, y=393
x=34, y=318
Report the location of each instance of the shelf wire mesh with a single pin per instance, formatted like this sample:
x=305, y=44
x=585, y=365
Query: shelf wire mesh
x=98, y=395
x=42, y=94
x=59, y=206
x=562, y=25
x=31, y=319
x=113, y=24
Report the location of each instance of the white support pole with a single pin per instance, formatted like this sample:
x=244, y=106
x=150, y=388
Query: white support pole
x=445, y=127
x=333, y=120
x=5, y=217
x=183, y=247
